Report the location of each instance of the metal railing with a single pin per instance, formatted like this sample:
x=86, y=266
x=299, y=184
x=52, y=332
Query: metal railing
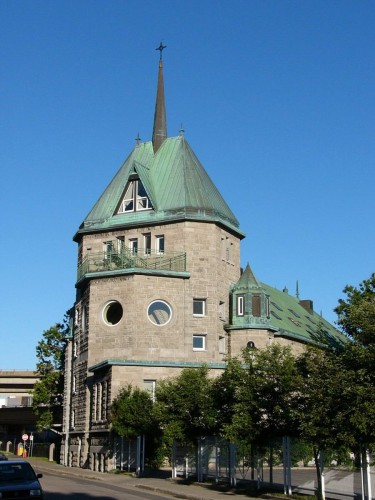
x=103, y=262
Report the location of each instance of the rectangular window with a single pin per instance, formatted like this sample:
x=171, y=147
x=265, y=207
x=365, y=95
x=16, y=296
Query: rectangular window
x=199, y=342
x=240, y=305
x=256, y=305
x=147, y=243
x=104, y=401
x=133, y=245
x=150, y=387
x=98, y=401
x=160, y=243
x=120, y=244
x=199, y=307
x=74, y=384
x=108, y=249
x=143, y=202
x=94, y=402
x=73, y=419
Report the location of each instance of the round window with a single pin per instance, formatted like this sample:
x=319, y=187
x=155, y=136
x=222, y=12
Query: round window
x=113, y=313
x=159, y=312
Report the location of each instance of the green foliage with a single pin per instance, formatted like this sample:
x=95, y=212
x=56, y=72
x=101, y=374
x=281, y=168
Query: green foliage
x=227, y=397
x=357, y=320
x=264, y=401
x=48, y=391
x=132, y=413
x=184, y=406
x=357, y=313
x=324, y=402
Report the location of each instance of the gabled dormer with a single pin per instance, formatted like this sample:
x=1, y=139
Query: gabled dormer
x=250, y=303
x=135, y=196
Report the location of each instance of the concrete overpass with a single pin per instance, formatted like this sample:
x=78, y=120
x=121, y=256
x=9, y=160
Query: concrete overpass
x=16, y=413
x=16, y=383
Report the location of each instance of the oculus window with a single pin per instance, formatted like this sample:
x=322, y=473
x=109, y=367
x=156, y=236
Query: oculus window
x=159, y=312
x=135, y=198
x=112, y=313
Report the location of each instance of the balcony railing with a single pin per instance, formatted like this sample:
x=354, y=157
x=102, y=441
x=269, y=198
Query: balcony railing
x=127, y=259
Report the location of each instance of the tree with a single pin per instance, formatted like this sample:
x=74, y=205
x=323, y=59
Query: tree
x=48, y=391
x=265, y=400
x=132, y=413
x=356, y=318
x=325, y=403
x=356, y=314
x=226, y=397
x=184, y=406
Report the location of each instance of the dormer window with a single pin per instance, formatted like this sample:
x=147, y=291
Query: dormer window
x=135, y=198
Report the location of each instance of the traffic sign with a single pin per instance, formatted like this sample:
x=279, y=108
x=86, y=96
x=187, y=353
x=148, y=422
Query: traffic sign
x=25, y=437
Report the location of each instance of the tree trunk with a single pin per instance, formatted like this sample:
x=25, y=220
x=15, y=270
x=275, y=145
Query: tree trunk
x=318, y=466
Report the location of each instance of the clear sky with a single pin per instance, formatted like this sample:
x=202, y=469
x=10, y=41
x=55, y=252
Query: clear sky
x=277, y=99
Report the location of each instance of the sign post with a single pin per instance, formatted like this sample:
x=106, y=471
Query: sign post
x=25, y=437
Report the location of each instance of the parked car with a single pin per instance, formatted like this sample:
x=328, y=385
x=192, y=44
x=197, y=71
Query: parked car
x=18, y=480
x=3, y=456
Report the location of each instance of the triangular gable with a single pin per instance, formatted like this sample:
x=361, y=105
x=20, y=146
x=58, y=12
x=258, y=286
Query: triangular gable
x=136, y=195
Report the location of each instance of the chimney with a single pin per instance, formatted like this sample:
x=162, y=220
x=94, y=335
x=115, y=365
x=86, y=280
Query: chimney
x=308, y=305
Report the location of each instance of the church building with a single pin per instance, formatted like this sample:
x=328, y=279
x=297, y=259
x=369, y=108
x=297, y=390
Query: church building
x=160, y=288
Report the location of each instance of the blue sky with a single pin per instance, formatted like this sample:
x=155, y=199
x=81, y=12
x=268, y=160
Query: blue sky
x=276, y=99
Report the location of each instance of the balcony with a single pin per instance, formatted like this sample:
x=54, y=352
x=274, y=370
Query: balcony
x=105, y=262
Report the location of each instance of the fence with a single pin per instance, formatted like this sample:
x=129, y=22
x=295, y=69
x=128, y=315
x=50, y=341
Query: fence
x=40, y=450
x=220, y=461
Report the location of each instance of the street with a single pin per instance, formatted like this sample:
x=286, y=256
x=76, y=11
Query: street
x=74, y=488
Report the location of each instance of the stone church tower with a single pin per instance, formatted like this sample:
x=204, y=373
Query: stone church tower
x=159, y=288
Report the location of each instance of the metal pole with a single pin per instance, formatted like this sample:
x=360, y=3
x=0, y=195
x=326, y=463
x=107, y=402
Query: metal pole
x=367, y=457
x=322, y=473
x=362, y=473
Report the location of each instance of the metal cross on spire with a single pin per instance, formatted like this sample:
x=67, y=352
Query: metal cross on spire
x=161, y=48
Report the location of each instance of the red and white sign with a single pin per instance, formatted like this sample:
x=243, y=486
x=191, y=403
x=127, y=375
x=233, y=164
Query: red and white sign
x=25, y=437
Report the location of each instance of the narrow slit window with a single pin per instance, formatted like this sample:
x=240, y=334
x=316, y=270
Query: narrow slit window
x=240, y=305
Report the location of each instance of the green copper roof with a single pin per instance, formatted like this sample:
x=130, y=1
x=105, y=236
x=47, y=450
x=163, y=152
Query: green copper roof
x=294, y=321
x=247, y=280
x=286, y=316
x=176, y=183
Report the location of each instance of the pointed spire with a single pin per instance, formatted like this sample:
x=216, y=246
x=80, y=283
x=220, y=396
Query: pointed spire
x=159, y=133
x=248, y=278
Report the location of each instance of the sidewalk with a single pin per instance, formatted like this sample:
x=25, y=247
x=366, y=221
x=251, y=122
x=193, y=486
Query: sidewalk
x=176, y=488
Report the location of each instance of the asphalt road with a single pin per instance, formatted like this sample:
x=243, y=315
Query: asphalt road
x=72, y=488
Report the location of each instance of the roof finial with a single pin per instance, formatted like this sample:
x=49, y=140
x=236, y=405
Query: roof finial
x=159, y=133
x=182, y=131
x=161, y=48
x=138, y=140
x=297, y=290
